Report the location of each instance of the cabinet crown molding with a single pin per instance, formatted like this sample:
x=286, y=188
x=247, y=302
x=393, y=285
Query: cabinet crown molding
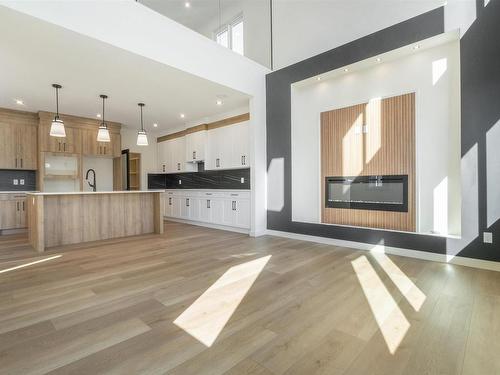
x=208, y=126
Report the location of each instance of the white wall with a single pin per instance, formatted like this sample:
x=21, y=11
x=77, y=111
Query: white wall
x=104, y=173
x=434, y=75
x=148, y=153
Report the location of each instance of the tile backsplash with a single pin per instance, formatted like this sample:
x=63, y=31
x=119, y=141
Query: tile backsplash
x=16, y=180
x=213, y=179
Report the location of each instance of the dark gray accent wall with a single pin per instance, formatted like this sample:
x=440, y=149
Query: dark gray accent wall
x=278, y=96
x=229, y=179
x=480, y=108
x=7, y=177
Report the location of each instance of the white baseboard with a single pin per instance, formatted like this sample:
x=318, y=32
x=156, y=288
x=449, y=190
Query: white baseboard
x=462, y=261
x=208, y=225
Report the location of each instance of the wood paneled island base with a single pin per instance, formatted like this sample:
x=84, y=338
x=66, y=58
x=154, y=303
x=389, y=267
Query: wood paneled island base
x=56, y=219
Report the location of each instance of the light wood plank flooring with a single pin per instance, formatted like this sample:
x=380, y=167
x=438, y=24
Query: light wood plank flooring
x=241, y=306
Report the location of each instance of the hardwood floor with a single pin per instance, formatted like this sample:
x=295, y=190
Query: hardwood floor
x=240, y=305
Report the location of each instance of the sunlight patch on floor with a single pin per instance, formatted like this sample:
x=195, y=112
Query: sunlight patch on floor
x=390, y=319
x=30, y=263
x=206, y=317
x=406, y=286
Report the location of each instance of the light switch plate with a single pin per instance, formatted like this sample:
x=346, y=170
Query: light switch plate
x=15, y=181
x=21, y=181
x=180, y=182
x=487, y=237
x=243, y=180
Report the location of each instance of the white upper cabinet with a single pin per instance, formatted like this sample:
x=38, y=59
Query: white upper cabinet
x=228, y=147
x=221, y=148
x=195, y=146
x=241, y=145
x=171, y=156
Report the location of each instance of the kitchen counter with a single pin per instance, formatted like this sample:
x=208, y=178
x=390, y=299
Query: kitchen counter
x=97, y=192
x=56, y=219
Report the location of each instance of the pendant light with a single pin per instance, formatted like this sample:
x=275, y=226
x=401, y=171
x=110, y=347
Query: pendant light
x=103, y=133
x=57, y=127
x=142, y=138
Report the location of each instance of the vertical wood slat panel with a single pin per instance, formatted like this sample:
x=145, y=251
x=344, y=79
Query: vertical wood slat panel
x=388, y=148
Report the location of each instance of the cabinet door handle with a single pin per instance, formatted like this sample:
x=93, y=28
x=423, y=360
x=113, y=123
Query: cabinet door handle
x=187, y=202
x=242, y=160
x=163, y=167
x=234, y=205
x=16, y=162
x=194, y=155
x=59, y=146
x=169, y=201
x=104, y=150
x=23, y=205
x=208, y=203
x=178, y=166
x=217, y=162
x=17, y=206
x=21, y=162
x=64, y=146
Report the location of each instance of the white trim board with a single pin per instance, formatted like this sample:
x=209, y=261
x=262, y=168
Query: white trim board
x=442, y=258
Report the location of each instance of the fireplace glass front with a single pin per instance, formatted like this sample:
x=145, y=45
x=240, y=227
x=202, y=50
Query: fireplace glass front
x=381, y=193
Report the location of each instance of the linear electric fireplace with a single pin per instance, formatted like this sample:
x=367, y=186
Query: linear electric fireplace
x=381, y=193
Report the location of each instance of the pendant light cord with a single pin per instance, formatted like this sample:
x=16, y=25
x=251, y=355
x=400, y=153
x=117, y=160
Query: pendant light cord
x=103, y=110
x=142, y=125
x=57, y=102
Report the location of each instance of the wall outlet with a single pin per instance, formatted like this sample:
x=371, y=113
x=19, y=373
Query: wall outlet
x=487, y=237
x=242, y=180
x=180, y=182
x=15, y=181
x=21, y=181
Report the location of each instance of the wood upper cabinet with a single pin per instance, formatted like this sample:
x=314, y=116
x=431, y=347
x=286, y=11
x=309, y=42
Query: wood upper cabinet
x=71, y=144
x=18, y=140
x=8, y=156
x=90, y=145
x=27, y=147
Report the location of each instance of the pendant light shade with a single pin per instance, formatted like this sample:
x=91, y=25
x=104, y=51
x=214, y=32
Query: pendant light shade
x=103, y=133
x=57, y=127
x=142, y=137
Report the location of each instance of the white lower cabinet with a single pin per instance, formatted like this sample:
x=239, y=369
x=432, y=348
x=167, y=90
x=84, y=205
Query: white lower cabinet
x=227, y=208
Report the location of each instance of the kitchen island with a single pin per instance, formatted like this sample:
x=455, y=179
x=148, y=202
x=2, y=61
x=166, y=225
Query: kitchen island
x=56, y=219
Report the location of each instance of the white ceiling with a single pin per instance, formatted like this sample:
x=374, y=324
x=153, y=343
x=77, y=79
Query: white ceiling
x=34, y=54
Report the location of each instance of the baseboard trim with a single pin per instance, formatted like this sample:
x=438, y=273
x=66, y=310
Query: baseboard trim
x=442, y=258
x=208, y=225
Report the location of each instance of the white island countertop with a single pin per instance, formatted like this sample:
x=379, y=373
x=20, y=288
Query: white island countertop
x=97, y=192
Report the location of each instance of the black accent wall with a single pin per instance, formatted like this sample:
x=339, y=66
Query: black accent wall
x=8, y=175
x=229, y=179
x=480, y=77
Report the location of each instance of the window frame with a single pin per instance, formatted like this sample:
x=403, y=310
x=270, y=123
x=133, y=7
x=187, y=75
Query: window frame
x=228, y=27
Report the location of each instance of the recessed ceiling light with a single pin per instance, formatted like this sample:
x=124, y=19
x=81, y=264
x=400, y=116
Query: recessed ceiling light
x=318, y=78
x=155, y=125
x=416, y=46
x=19, y=101
x=182, y=115
x=346, y=70
x=98, y=115
x=187, y=4
x=379, y=59
x=219, y=102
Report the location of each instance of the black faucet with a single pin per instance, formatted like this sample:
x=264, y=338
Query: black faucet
x=93, y=186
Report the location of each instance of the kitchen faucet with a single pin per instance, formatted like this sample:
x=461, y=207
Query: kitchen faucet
x=93, y=186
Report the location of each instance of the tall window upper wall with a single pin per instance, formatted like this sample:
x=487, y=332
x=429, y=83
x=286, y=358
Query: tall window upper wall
x=244, y=26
